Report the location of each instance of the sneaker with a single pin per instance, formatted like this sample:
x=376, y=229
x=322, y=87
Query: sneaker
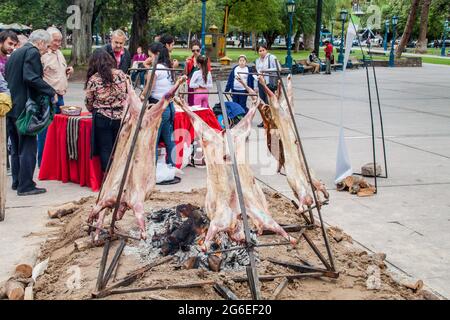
x=33, y=192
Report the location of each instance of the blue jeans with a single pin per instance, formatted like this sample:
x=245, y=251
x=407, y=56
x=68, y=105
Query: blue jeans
x=43, y=135
x=165, y=134
x=241, y=99
x=141, y=75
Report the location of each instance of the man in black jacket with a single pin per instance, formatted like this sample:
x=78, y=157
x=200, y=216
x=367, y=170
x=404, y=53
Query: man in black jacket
x=24, y=74
x=118, y=51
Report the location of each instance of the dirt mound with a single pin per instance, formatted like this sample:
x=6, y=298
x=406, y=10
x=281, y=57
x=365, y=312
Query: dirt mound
x=72, y=274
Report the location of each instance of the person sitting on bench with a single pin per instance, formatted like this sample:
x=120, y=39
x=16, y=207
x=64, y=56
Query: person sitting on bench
x=314, y=61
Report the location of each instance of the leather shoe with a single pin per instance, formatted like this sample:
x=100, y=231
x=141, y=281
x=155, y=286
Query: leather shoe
x=14, y=187
x=261, y=125
x=33, y=192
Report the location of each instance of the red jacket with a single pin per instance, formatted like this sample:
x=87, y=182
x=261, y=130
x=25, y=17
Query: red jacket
x=190, y=66
x=329, y=51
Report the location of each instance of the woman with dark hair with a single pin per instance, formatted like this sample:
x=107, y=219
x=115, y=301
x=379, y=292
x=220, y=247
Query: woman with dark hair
x=162, y=83
x=201, y=81
x=106, y=97
x=266, y=63
x=191, y=67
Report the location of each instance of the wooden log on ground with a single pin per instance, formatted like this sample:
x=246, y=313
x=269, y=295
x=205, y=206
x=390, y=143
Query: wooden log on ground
x=276, y=294
x=225, y=292
x=15, y=290
x=24, y=271
x=289, y=228
x=289, y=276
x=415, y=287
x=3, y=180
x=83, y=244
x=61, y=211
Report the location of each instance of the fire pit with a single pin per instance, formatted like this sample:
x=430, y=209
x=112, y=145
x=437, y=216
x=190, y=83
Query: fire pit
x=180, y=232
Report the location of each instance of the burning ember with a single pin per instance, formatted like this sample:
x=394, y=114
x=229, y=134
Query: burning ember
x=181, y=232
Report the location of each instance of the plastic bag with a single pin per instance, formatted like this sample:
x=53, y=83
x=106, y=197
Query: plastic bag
x=165, y=172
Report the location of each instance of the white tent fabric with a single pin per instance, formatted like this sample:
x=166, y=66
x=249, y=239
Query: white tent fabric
x=343, y=163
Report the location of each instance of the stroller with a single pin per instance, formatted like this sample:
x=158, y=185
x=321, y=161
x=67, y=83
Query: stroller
x=235, y=113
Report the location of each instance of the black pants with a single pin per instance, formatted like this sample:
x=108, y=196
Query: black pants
x=106, y=131
x=262, y=94
x=23, y=158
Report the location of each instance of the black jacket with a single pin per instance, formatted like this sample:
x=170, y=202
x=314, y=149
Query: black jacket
x=125, y=61
x=24, y=74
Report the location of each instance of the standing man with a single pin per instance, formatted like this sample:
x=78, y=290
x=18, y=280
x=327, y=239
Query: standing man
x=8, y=42
x=328, y=54
x=24, y=74
x=118, y=51
x=56, y=74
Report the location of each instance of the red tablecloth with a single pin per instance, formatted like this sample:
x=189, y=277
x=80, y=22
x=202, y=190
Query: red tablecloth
x=184, y=131
x=55, y=161
x=87, y=172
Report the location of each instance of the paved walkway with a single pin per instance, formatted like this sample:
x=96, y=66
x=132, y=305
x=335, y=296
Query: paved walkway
x=409, y=219
x=408, y=54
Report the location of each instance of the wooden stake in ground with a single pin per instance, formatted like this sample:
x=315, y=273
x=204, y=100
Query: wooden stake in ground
x=3, y=156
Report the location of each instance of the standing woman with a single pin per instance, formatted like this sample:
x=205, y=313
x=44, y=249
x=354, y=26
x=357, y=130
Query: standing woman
x=201, y=81
x=106, y=98
x=266, y=63
x=192, y=67
x=233, y=85
x=162, y=83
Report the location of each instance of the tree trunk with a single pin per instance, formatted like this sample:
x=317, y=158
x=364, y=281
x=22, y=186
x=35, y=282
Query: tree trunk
x=254, y=41
x=189, y=39
x=138, y=28
x=309, y=41
x=82, y=37
x=297, y=41
x=408, y=28
x=270, y=38
x=422, y=42
x=64, y=35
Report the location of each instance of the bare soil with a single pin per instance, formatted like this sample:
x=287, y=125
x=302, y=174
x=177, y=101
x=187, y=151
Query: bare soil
x=72, y=275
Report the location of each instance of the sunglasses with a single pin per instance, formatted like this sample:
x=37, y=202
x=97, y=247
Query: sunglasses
x=195, y=50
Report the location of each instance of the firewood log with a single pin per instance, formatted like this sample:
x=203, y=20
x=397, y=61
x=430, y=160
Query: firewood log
x=63, y=210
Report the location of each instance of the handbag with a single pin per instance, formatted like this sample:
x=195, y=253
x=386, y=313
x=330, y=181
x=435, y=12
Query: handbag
x=36, y=117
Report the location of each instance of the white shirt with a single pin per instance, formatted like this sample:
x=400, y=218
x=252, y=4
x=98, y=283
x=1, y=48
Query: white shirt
x=266, y=64
x=163, y=82
x=197, y=81
x=244, y=76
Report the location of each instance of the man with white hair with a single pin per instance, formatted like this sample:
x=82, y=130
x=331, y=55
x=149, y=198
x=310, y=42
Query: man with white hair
x=56, y=74
x=24, y=74
x=118, y=51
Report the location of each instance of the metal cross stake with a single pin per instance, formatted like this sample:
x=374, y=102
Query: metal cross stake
x=301, y=153
x=252, y=271
x=366, y=64
x=102, y=280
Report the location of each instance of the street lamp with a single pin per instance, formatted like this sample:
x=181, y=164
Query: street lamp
x=343, y=16
x=445, y=38
x=385, y=42
x=203, y=27
x=290, y=5
x=394, y=26
x=333, y=21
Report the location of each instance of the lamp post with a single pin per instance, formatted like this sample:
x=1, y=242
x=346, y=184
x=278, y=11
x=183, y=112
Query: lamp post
x=385, y=42
x=394, y=27
x=290, y=5
x=445, y=38
x=333, y=21
x=344, y=14
x=203, y=27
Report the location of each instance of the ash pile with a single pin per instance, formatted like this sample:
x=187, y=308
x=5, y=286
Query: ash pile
x=180, y=232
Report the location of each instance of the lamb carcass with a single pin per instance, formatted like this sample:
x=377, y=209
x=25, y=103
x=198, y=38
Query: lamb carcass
x=141, y=179
x=295, y=164
x=222, y=200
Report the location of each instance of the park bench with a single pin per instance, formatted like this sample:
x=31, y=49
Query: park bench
x=304, y=66
x=354, y=63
